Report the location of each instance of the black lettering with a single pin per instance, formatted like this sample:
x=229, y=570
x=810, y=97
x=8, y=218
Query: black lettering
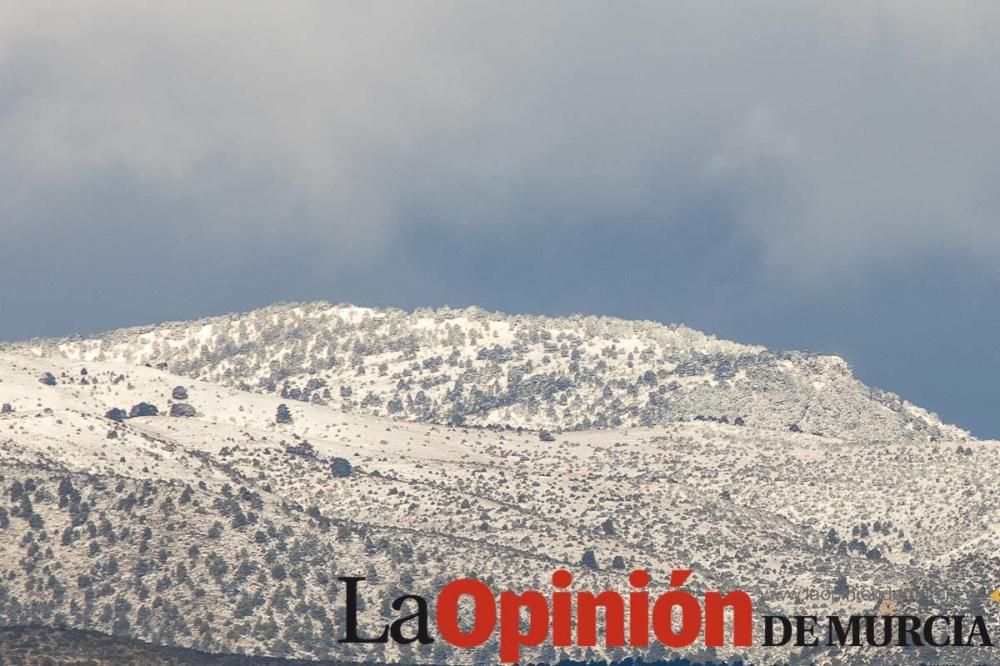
x=351, y=615
x=929, y=636
x=422, y=635
x=805, y=624
x=786, y=630
x=979, y=629
x=853, y=624
x=907, y=631
x=870, y=636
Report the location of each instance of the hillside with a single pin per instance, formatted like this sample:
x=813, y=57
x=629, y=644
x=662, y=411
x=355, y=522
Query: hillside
x=224, y=526
x=477, y=368
x=43, y=646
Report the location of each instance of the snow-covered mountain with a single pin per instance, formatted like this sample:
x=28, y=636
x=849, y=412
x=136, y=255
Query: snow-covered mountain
x=478, y=368
x=203, y=484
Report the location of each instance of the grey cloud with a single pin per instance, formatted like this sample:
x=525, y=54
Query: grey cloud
x=826, y=122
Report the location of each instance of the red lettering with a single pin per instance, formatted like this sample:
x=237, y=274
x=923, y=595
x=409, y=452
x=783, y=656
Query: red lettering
x=690, y=613
x=562, y=604
x=614, y=618
x=511, y=638
x=485, y=616
x=638, y=608
x=742, y=607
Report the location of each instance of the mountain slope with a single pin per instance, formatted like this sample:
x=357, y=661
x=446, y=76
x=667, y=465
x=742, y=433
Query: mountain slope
x=472, y=367
x=224, y=526
x=38, y=646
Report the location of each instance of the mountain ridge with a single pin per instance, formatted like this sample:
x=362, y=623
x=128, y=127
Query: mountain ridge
x=474, y=367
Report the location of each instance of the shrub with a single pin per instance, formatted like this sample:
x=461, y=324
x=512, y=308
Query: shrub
x=182, y=409
x=608, y=526
x=116, y=414
x=305, y=449
x=841, y=587
x=143, y=409
x=341, y=468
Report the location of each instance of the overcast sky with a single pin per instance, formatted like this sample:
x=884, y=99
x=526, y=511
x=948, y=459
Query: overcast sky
x=821, y=176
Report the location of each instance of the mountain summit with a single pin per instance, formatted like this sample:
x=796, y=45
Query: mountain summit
x=479, y=368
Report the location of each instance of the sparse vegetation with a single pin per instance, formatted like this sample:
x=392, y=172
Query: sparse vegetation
x=415, y=455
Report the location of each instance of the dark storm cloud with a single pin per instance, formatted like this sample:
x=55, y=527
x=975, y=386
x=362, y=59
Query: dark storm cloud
x=820, y=177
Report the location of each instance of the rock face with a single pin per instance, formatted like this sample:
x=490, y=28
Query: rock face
x=477, y=368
